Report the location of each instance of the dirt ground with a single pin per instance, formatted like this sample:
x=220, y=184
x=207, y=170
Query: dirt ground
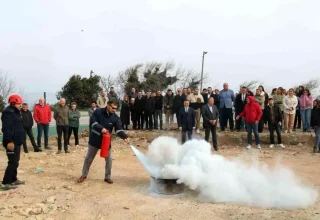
x=53, y=193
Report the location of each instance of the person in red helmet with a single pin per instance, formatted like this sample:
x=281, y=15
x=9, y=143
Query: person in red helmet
x=13, y=138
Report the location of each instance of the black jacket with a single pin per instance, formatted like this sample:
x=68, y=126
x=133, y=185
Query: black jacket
x=216, y=100
x=239, y=104
x=277, y=114
x=205, y=98
x=27, y=119
x=149, y=104
x=207, y=115
x=139, y=104
x=186, y=120
x=12, y=128
x=102, y=119
x=315, y=117
x=158, y=102
x=178, y=103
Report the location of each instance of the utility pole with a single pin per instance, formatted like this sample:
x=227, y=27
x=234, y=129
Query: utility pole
x=204, y=53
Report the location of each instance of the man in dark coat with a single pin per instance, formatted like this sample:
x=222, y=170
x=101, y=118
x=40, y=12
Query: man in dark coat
x=103, y=121
x=210, y=115
x=273, y=116
x=13, y=138
x=239, y=103
x=178, y=102
x=27, y=121
x=186, y=121
x=139, y=104
x=148, y=111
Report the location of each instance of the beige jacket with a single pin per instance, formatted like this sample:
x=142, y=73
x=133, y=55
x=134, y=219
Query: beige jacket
x=290, y=104
x=193, y=98
x=102, y=101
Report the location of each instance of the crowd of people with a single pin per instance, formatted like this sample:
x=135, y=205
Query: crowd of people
x=280, y=111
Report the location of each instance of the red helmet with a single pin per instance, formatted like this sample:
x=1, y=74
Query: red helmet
x=15, y=99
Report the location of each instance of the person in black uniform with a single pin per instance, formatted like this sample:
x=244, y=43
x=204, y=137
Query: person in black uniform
x=27, y=122
x=103, y=121
x=13, y=138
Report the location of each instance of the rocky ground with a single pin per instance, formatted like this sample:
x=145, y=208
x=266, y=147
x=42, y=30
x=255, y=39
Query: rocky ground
x=53, y=193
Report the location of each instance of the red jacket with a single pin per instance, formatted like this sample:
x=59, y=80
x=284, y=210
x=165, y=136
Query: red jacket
x=42, y=114
x=252, y=112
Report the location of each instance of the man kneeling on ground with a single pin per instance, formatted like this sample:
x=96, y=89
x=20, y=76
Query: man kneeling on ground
x=102, y=122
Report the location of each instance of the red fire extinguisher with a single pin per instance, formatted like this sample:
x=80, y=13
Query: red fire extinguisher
x=105, y=145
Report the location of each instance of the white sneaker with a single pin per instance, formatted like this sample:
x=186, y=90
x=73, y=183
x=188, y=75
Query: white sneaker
x=281, y=145
x=290, y=131
x=271, y=146
x=198, y=131
x=77, y=145
x=249, y=146
x=258, y=146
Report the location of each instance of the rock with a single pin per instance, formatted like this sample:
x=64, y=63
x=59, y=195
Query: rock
x=51, y=200
x=68, y=187
x=24, y=212
x=36, y=211
x=40, y=205
x=53, y=208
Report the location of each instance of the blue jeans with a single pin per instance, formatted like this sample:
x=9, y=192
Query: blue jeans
x=317, y=138
x=306, y=118
x=45, y=129
x=253, y=127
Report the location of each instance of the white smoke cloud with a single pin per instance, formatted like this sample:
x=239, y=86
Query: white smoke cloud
x=221, y=180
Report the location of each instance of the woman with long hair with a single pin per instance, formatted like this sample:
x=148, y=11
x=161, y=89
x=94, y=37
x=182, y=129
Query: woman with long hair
x=306, y=105
x=290, y=103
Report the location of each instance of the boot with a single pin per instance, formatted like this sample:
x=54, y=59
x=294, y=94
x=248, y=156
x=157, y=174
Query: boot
x=37, y=149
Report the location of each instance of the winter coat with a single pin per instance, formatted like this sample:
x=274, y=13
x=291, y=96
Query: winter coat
x=90, y=111
x=167, y=103
x=74, y=116
x=266, y=98
x=42, y=114
x=132, y=95
x=315, y=117
x=278, y=100
x=61, y=115
x=290, y=104
x=277, y=114
x=260, y=99
x=113, y=96
x=239, y=104
x=133, y=112
x=194, y=98
x=158, y=102
x=27, y=120
x=102, y=101
x=139, y=104
x=12, y=129
x=226, y=98
x=306, y=102
x=252, y=111
x=178, y=101
x=149, y=104
x=125, y=113
x=102, y=119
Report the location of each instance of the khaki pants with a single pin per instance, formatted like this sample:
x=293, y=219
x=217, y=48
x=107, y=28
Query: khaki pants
x=288, y=121
x=169, y=119
x=198, y=116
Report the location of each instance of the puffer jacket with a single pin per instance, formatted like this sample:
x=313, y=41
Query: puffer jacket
x=12, y=129
x=252, y=111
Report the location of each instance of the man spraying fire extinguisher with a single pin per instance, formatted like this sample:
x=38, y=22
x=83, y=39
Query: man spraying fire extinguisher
x=102, y=123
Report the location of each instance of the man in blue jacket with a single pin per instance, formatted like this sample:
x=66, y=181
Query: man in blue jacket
x=226, y=97
x=102, y=122
x=13, y=138
x=186, y=121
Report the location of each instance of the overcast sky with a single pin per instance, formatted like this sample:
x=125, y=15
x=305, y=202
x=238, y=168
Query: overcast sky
x=276, y=41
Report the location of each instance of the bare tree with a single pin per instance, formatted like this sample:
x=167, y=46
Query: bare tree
x=313, y=85
x=251, y=85
x=189, y=78
x=107, y=82
x=7, y=85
